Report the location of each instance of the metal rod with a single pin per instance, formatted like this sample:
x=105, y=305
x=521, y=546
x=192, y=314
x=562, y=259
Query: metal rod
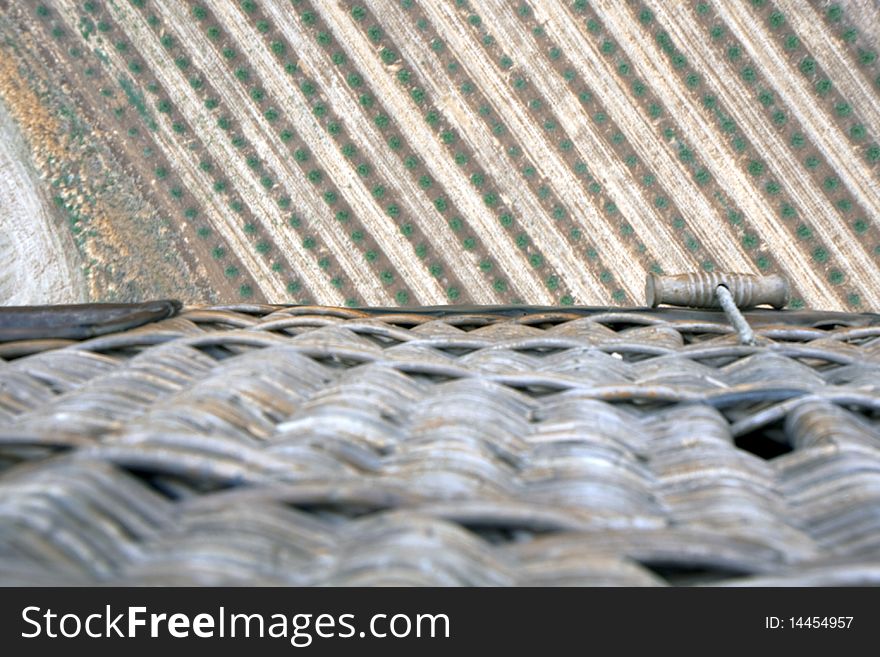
x=725, y=298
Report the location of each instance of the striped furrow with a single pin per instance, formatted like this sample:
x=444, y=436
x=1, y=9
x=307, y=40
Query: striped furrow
x=718, y=157
x=819, y=40
x=488, y=153
x=677, y=181
x=562, y=180
x=256, y=129
x=856, y=175
x=350, y=186
x=442, y=168
x=829, y=227
x=186, y=165
x=412, y=198
x=558, y=252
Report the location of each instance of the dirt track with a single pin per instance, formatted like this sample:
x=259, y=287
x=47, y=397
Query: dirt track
x=40, y=263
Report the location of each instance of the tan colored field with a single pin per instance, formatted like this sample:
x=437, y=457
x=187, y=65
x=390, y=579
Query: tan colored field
x=394, y=152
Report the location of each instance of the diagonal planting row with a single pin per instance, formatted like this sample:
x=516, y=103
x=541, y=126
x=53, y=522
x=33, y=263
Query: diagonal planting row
x=763, y=152
x=303, y=158
x=829, y=158
x=848, y=76
x=843, y=152
x=186, y=99
x=481, y=156
x=553, y=152
x=529, y=193
x=805, y=124
x=636, y=130
x=717, y=152
x=563, y=85
x=255, y=128
x=395, y=143
x=532, y=175
x=301, y=155
x=387, y=168
x=194, y=178
x=830, y=120
x=609, y=28
x=491, y=80
x=457, y=146
x=346, y=30
x=352, y=188
x=856, y=26
x=427, y=74
x=648, y=125
x=199, y=89
x=92, y=88
x=732, y=93
x=447, y=148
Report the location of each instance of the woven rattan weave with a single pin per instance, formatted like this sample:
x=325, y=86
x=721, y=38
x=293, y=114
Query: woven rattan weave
x=451, y=446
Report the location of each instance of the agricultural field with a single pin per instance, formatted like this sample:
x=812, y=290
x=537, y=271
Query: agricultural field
x=405, y=152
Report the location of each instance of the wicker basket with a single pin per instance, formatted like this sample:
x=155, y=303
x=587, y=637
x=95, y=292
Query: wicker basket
x=303, y=445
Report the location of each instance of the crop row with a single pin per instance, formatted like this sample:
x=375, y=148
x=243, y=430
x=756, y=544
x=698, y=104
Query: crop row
x=384, y=161
x=133, y=124
x=775, y=172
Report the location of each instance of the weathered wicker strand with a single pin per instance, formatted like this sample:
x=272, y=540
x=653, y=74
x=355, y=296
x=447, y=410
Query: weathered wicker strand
x=303, y=445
